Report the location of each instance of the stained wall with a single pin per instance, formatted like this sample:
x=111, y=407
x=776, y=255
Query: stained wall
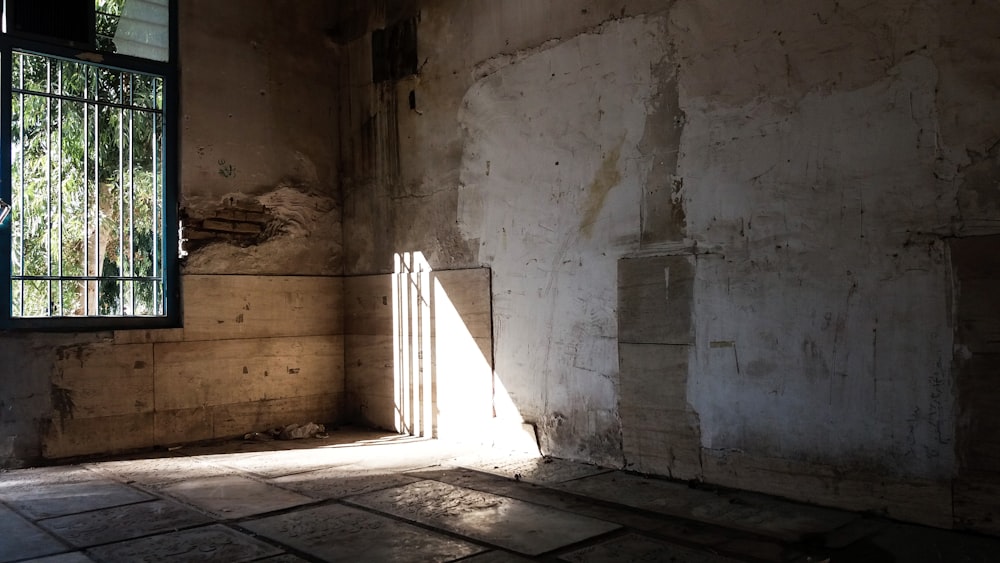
x=722, y=238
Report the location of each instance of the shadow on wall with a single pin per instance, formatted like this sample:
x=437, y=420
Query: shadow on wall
x=443, y=383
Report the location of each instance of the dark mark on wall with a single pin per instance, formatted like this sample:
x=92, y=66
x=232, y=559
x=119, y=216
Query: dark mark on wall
x=226, y=170
x=62, y=402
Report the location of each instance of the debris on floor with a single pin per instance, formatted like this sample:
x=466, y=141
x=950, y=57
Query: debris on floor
x=300, y=431
x=289, y=432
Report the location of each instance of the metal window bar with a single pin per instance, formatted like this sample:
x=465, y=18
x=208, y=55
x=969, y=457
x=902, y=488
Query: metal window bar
x=120, y=307
x=131, y=192
x=100, y=102
x=59, y=309
x=157, y=198
x=48, y=185
x=21, y=190
x=86, y=192
x=95, y=287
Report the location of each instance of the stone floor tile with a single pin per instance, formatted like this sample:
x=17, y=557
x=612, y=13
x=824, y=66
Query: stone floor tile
x=691, y=532
x=533, y=469
x=545, y=496
x=286, y=558
x=123, y=522
x=904, y=542
x=210, y=543
x=231, y=497
x=74, y=557
x=228, y=447
x=496, y=556
x=288, y=462
x=759, y=549
x=744, y=511
x=773, y=517
x=851, y=532
x=60, y=499
x=633, y=547
x=341, y=533
x=338, y=483
x=347, y=436
x=20, y=539
x=508, y=523
x=159, y=471
x=406, y=455
x=22, y=478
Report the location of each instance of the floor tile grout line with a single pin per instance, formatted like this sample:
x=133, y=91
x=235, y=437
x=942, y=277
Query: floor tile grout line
x=424, y=526
x=149, y=535
x=481, y=490
x=34, y=524
x=273, y=542
x=666, y=518
x=93, y=510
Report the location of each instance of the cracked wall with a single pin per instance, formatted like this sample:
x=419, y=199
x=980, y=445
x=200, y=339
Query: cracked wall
x=720, y=237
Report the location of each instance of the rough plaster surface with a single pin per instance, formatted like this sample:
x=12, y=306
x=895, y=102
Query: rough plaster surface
x=809, y=159
x=258, y=119
x=302, y=235
x=552, y=193
x=825, y=307
x=26, y=393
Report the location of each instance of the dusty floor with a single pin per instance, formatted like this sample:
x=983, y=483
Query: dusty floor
x=368, y=496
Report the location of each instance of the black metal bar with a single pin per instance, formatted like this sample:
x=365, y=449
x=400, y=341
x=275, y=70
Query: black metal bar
x=157, y=270
x=85, y=278
x=121, y=194
x=171, y=132
x=21, y=190
x=86, y=193
x=48, y=185
x=6, y=188
x=97, y=186
x=131, y=192
x=66, y=98
x=107, y=60
x=62, y=217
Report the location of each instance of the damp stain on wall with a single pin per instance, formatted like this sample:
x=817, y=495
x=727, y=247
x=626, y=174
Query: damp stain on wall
x=606, y=178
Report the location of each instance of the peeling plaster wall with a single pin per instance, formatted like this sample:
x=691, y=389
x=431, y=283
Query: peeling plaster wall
x=258, y=127
x=788, y=175
x=259, y=197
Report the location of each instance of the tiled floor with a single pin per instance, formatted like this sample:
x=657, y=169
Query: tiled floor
x=367, y=496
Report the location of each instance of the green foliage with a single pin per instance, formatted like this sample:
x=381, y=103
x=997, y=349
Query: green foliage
x=108, y=12
x=86, y=152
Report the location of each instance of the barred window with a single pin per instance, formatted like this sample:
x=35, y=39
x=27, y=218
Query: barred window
x=89, y=177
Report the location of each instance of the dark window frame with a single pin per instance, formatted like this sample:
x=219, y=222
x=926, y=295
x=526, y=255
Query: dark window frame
x=11, y=41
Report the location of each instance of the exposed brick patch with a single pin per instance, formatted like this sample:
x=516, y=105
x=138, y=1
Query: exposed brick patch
x=236, y=222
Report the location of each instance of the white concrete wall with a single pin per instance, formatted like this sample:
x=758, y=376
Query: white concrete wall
x=824, y=307
x=810, y=160
x=550, y=185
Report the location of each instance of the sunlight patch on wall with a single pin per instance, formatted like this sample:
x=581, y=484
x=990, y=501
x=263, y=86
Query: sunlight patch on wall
x=443, y=381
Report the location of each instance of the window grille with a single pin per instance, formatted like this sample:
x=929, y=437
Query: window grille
x=89, y=179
